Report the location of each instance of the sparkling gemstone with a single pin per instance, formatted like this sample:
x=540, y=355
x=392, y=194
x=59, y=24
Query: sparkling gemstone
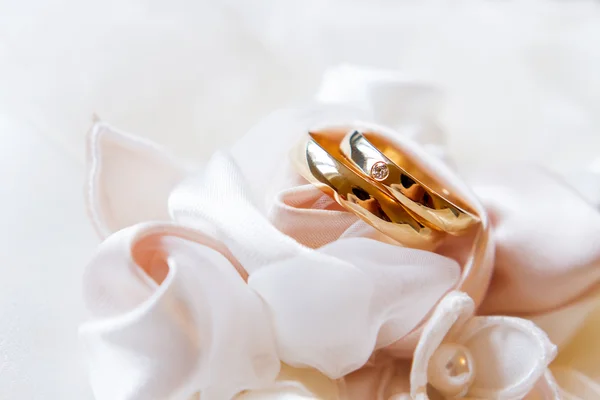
x=380, y=171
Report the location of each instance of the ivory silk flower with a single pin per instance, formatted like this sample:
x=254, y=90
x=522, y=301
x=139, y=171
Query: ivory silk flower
x=209, y=278
x=494, y=357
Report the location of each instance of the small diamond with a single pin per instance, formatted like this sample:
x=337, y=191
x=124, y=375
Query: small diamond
x=380, y=171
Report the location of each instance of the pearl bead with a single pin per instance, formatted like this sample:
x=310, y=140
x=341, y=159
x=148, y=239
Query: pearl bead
x=451, y=370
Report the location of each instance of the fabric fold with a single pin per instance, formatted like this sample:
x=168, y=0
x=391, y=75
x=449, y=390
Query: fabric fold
x=478, y=357
x=179, y=334
x=258, y=267
x=129, y=179
x=357, y=303
x=547, y=241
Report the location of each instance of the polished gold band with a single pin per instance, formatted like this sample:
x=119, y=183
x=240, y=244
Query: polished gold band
x=381, y=161
x=375, y=180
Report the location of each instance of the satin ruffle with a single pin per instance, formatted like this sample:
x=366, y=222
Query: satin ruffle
x=214, y=295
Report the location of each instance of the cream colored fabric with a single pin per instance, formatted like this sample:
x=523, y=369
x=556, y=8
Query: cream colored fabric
x=332, y=295
x=194, y=76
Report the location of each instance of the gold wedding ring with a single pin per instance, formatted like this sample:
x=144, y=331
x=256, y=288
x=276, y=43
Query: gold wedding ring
x=380, y=184
x=377, y=158
x=321, y=163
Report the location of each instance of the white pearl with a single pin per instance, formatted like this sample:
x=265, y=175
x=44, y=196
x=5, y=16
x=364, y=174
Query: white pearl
x=451, y=370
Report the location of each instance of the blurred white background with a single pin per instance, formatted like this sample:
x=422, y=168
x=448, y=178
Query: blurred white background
x=521, y=79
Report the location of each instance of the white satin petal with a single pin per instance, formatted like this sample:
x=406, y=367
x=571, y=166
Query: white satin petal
x=162, y=327
x=320, y=311
x=448, y=317
x=129, y=179
x=510, y=355
x=408, y=282
x=361, y=294
x=220, y=199
x=545, y=233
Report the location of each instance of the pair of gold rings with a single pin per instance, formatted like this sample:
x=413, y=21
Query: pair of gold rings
x=386, y=187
